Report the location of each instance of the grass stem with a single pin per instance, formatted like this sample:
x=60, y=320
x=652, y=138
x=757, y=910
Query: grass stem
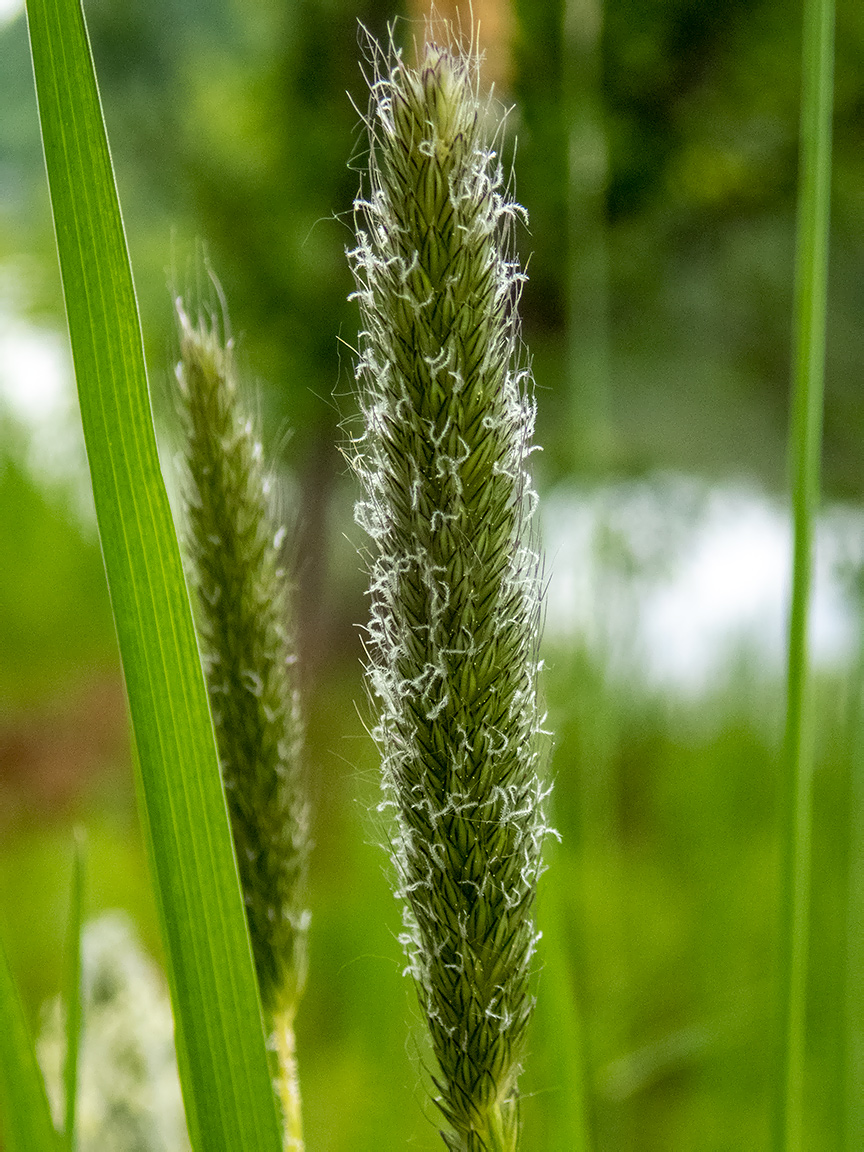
x=853, y=983
x=805, y=444
x=587, y=256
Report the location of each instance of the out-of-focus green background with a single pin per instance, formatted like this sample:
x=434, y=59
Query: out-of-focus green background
x=657, y=160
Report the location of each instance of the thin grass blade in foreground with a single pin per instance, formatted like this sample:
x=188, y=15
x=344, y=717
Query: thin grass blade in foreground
x=853, y=1016
x=221, y=1045
x=455, y=590
x=805, y=447
x=564, y=1028
x=250, y=664
x=72, y=992
x=27, y=1124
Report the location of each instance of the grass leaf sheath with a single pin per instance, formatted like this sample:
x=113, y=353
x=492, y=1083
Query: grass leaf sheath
x=455, y=590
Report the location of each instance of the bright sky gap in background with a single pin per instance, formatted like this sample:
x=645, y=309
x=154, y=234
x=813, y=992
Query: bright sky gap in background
x=9, y=9
x=670, y=577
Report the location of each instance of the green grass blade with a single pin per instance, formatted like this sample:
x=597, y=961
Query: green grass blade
x=587, y=250
x=27, y=1124
x=853, y=1022
x=223, y=1055
x=560, y=1012
x=72, y=992
x=805, y=443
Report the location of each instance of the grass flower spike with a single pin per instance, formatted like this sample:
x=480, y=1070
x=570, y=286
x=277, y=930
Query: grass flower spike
x=455, y=587
x=250, y=666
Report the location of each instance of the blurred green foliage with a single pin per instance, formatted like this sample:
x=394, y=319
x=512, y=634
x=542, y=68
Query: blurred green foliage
x=232, y=125
x=51, y=580
x=231, y=128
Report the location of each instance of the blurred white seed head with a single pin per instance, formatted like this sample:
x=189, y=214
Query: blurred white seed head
x=129, y=1096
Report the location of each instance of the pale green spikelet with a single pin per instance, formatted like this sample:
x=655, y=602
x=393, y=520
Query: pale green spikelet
x=250, y=663
x=455, y=586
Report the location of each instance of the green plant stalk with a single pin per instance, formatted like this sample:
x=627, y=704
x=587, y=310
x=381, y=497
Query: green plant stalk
x=27, y=1123
x=587, y=256
x=222, y=1053
x=853, y=990
x=805, y=445
x=561, y=1009
x=455, y=590
x=598, y=953
x=73, y=992
x=250, y=665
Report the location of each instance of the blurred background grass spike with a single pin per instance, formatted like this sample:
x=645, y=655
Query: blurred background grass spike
x=250, y=662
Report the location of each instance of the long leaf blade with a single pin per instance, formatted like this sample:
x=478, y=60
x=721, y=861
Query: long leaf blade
x=217, y=1010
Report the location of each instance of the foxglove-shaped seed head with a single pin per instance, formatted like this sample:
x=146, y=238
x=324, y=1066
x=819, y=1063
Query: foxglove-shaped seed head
x=455, y=587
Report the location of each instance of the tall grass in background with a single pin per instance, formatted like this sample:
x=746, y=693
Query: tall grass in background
x=811, y=292
x=587, y=257
x=853, y=976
